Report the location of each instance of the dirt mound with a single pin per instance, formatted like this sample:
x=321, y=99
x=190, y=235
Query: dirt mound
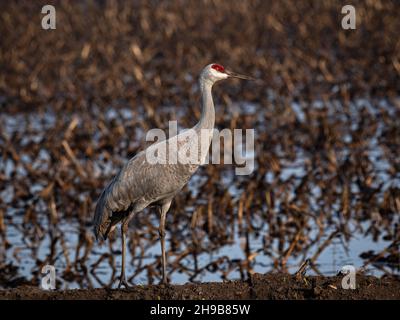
x=269, y=286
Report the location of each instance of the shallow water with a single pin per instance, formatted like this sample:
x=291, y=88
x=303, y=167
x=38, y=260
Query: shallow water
x=330, y=262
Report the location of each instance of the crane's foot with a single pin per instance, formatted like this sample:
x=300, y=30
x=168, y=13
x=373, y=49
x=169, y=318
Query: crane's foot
x=164, y=282
x=123, y=282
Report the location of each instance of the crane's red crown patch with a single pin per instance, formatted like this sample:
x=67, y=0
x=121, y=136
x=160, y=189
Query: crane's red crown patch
x=218, y=67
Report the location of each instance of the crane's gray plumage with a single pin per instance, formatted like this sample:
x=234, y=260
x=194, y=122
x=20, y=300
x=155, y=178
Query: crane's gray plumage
x=140, y=183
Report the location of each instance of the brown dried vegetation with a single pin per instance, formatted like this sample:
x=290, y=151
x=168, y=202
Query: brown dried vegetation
x=76, y=103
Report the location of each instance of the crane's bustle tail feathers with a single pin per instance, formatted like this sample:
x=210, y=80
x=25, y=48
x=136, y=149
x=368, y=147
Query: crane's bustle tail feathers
x=102, y=220
x=105, y=220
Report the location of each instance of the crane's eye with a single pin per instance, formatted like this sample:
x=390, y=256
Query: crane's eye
x=218, y=67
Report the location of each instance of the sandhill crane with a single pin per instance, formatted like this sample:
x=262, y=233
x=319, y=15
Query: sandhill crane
x=142, y=183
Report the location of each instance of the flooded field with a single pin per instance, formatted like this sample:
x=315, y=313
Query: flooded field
x=223, y=226
x=76, y=103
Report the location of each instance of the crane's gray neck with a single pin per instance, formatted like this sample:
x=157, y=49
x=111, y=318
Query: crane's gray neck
x=207, y=119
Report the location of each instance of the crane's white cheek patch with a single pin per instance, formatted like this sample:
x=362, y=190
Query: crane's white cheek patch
x=215, y=75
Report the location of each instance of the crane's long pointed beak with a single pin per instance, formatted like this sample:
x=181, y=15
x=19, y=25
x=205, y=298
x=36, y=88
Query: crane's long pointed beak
x=237, y=75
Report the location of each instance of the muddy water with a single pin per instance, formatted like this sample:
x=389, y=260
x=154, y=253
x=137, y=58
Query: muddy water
x=293, y=207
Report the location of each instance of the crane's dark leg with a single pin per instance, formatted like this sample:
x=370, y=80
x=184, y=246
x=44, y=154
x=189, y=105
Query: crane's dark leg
x=161, y=231
x=163, y=213
x=122, y=280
